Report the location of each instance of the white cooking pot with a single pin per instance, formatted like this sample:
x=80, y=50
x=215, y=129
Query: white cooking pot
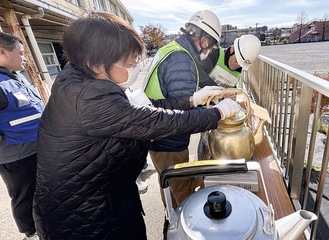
x=224, y=211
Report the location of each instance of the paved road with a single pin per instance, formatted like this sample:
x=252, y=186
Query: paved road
x=309, y=57
x=8, y=229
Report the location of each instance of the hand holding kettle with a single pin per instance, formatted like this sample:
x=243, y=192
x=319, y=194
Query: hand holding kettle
x=200, y=97
x=227, y=108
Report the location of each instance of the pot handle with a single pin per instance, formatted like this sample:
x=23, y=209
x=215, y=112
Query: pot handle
x=232, y=91
x=202, y=168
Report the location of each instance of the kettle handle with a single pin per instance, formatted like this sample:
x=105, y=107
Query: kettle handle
x=202, y=168
x=232, y=91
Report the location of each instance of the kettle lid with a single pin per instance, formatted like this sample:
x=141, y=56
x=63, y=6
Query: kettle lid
x=235, y=119
x=239, y=222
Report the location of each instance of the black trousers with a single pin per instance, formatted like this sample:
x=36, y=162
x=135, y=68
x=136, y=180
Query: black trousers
x=19, y=178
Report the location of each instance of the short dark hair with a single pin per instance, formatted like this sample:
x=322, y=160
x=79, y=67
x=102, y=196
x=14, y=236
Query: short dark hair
x=100, y=38
x=9, y=41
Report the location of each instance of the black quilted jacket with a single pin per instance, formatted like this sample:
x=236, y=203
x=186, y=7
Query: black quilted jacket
x=92, y=145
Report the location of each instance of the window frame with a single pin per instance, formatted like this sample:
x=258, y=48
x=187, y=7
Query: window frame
x=53, y=57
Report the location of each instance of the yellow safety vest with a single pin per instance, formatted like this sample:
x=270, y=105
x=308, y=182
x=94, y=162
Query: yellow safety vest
x=222, y=75
x=151, y=85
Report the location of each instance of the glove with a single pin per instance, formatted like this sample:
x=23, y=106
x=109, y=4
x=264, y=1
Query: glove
x=227, y=108
x=200, y=97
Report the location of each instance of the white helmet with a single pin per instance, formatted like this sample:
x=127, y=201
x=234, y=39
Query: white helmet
x=246, y=48
x=208, y=22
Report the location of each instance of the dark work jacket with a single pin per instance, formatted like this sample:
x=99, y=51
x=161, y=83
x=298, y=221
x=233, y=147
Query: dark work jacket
x=209, y=63
x=92, y=145
x=178, y=77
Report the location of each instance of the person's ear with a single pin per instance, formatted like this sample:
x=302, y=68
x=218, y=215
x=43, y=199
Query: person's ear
x=232, y=50
x=98, y=70
x=3, y=51
x=204, y=42
x=232, y=47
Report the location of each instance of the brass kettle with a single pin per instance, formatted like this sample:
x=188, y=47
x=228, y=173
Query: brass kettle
x=234, y=137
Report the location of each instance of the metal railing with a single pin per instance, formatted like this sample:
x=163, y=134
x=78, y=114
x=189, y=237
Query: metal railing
x=289, y=94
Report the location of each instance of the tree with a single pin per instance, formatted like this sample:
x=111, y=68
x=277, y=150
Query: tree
x=153, y=36
x=301, y=19
x=262, y=37
x=276, y=34
x=325, y=19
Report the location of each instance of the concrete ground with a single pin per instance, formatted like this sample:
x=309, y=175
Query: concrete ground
x=8, y=229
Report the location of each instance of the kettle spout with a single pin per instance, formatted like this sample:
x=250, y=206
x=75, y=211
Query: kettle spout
x=259, y=132
x=292, y=226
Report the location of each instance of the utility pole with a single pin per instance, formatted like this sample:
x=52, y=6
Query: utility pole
x=256, y=30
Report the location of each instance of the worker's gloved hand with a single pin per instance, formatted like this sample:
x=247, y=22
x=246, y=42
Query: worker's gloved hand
x=227, y=108
x=200, y=97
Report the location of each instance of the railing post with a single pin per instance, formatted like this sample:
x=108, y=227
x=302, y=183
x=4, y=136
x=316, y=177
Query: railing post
x=299, y=88
x=320, y=191
x=302, y=115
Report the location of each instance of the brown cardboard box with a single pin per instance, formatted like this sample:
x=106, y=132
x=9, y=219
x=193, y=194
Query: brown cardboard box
x=260, y=112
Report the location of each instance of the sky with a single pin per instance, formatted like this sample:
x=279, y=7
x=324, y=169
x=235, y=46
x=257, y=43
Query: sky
x=173, y=14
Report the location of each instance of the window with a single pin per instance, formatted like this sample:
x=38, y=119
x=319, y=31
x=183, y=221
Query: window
x=50, y=58
x=99, y=4
x=75, y=2
x=113, y=8
x=120, y=14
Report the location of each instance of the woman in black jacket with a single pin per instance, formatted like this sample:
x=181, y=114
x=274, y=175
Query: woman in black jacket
x=93, y=141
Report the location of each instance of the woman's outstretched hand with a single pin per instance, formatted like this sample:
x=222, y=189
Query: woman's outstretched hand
x=227, y=108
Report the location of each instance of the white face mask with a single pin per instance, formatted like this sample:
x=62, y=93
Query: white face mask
x=203, y=56
x=132, y=77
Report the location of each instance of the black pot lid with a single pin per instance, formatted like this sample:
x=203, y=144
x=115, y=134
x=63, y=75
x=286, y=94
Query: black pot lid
x=241, y=223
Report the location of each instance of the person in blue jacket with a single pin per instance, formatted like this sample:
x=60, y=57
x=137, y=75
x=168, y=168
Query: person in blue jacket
x=20, y=111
